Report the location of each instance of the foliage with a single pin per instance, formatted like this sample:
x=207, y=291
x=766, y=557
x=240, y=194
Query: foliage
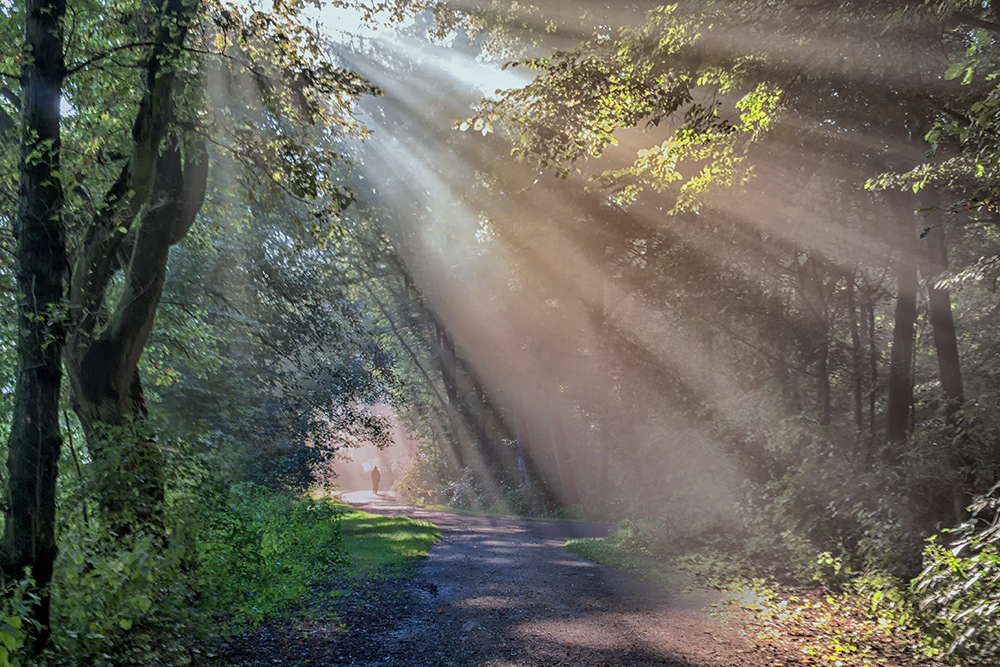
x=732, y=349
x=282, y=353
x=116, y=602
x=262, y=552
x=633, y=547
x=19, y=599
x=647, y=75
x=476, y=494
x=959, y=588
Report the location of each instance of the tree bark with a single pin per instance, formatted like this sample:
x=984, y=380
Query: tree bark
x=857, y=373
x=449, y=377
x=823, y=394
x=519, y=435
x=873, y=362
x=106, y=391
x=41, y=266
x=950, y=506
x=564, y=464
x=482, y=412
x=900, y=398
x=943, y=324
x=149, y=207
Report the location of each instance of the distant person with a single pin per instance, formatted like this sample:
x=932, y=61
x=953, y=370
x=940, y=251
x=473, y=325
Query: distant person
x=376, y=478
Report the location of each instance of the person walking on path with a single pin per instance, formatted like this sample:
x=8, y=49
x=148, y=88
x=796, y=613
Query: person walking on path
x=376, y=478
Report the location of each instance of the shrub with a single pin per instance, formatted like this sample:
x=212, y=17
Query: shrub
x=110, y=598
x=19, y=599
x=960, y=587
x=262, y=550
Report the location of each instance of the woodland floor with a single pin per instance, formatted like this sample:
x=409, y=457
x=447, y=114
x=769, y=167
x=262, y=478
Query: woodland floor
x=506, y=593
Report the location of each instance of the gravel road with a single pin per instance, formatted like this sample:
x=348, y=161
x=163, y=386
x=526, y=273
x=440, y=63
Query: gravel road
x=505, y=593
x=499, y=593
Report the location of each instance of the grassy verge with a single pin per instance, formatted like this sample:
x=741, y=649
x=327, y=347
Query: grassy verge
x=265, y=554
x=639, y=562
x=380, y=545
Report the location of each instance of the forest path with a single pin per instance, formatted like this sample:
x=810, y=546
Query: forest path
x=502, y=592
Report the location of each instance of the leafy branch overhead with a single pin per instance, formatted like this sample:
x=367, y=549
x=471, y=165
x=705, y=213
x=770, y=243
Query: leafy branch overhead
x=649, y=75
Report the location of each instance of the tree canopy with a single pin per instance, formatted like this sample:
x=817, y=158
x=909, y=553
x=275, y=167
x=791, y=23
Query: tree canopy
x=722, y=271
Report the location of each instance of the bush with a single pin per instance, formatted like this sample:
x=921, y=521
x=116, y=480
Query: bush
x=960, y=587
x=19, y=599
x=111, y=598
x=262, y=551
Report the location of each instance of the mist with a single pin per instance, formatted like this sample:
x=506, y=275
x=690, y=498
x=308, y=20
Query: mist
x=636, y=349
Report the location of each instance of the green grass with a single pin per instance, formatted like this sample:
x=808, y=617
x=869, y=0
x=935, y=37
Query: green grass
x=376, y=544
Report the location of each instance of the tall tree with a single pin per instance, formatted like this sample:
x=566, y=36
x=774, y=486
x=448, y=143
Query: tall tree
x=900, y=397
x=150, y=206
x=35, y=439
x=95, y=223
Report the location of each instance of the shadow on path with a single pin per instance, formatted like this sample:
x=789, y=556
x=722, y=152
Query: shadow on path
x=500, y=592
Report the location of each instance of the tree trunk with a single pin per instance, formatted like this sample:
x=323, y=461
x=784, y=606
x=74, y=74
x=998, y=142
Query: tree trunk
x=40, y=256
x=564, y=464
x=522, y=456
x=482, y=413
x=943, y=324
x=449, y=376
x=823, y=381
x=106, y=391
x=950, y=506
x=127, y=463
x=900, y=398
x=857, y=373
x=873, y=361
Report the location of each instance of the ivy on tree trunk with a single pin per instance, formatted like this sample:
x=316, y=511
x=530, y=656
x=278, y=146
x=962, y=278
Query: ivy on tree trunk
x=35, y=439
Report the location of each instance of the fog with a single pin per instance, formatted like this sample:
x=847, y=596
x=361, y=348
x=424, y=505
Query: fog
x=618, y=344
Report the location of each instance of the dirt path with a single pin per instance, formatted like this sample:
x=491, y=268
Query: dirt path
x=504, y=593
x=497, y=592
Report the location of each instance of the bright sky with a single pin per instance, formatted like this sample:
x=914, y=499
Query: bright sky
x=343, y=24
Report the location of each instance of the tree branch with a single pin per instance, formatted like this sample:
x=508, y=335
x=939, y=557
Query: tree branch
x=134, y=186
x=178, y=196
x=107, y=54
x=967, y=19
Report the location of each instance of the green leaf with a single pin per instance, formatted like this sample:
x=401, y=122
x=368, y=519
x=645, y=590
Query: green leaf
x=12, y=640
x=954, y=70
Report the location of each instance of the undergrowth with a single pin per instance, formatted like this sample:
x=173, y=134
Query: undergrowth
x=871, y=619
x=236, y=557
x=262, y=552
